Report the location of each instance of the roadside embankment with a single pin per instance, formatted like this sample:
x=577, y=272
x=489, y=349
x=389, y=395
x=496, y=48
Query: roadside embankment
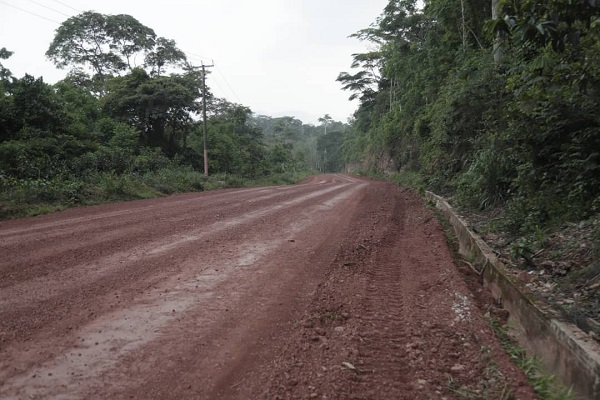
x=563, y=349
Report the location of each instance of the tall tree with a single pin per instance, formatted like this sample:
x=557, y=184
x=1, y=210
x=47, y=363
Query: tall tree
x=164, y=53
x=235, y=144
x=110, y=44
x=5, y=73
x=325, y=120
x=498, y=50
x=159, y=107
x=6, y=103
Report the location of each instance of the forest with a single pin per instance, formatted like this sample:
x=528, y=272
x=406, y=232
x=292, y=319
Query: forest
x=114, y=129
x=495, y=105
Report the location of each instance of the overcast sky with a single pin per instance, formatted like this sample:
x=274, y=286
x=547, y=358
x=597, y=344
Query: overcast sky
x=278, y=57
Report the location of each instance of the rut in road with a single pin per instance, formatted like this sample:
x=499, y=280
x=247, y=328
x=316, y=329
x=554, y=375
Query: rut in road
x=245, y=293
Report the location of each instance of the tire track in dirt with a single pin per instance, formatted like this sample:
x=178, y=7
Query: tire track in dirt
x=393, y=319
x=423, y=336
x=391, y=347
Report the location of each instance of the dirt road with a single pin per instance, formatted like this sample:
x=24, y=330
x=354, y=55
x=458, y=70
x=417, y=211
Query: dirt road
x=334, y=288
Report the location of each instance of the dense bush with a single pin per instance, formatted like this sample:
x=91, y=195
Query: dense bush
x=521, y=130
x=102, y=138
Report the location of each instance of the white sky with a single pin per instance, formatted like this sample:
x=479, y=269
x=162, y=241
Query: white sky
x=278, y=57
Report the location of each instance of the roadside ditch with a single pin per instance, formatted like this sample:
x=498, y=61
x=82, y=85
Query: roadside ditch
x=563, y=349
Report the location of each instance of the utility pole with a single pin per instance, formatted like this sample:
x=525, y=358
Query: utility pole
x=204, y=115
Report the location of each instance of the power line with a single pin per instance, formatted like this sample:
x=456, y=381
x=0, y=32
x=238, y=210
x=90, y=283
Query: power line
x=66, y=5
x=222, y=88
x=219, y=86
x=30, y=12
x=201, y=57
x=50, y=8
x=225, y=79
x=196, y=58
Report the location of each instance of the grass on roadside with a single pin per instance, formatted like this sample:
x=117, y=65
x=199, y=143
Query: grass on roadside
x=545, y=386
x=493, y=386
x=24, y=198
x=408, y=179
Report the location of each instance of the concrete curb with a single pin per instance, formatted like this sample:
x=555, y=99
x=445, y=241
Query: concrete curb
x=563, y=349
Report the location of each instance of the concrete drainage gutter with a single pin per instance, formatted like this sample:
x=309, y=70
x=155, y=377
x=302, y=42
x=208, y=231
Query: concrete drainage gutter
x=563, y=349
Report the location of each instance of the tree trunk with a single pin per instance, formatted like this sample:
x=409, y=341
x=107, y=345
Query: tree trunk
x=498, y=50
x=464, y=25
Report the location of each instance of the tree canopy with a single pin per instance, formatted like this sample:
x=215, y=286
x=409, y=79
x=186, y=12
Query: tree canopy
x=110, y=44
x=512, y=132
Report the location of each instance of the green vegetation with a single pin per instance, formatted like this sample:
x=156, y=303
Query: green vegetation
x=521, y=131
x=545, y=386
x=20, y=198
x=117, y=130
x=296, y=145
x=493, y=385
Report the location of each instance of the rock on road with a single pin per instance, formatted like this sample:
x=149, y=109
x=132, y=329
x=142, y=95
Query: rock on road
x=335, y=288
